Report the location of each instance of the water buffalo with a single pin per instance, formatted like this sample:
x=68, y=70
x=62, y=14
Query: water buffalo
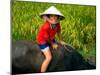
x=27, y=58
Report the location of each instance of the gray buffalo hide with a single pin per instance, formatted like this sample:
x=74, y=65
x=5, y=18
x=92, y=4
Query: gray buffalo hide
x=27, y=58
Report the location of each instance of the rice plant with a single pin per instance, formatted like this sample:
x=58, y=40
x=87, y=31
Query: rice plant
x=78, y=27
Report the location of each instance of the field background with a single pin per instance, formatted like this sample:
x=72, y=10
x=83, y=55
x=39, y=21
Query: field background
x=78, y=27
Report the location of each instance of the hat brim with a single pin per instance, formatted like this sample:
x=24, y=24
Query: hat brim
x=61, y=17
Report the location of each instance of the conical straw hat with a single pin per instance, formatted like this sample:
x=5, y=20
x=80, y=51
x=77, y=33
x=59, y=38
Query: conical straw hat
x=52, y=10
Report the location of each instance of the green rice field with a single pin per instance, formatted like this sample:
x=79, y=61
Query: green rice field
x=78, y=27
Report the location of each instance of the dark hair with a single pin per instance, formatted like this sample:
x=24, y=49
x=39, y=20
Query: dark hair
x=48, y=15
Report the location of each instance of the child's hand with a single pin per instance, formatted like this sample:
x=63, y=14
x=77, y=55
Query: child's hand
x=62, y=42
x=54, y=46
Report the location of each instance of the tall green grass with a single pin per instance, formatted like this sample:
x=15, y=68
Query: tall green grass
x=78, y=27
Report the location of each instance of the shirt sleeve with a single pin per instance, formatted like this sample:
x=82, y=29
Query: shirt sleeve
x=58, y=28
x=45, y=33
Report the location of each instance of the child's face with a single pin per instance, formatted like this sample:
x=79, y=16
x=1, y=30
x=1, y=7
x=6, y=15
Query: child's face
x=53, y=19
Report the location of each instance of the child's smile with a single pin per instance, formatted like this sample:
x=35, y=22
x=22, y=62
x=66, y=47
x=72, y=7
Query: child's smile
x=53, y=19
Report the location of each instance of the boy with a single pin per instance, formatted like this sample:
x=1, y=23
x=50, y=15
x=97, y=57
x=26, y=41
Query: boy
x=47, y=32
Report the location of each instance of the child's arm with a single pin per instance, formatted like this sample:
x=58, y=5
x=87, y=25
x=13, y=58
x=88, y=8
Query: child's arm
x=49, y=42
x=53, y=45
x=61, y=39
x=59, y=36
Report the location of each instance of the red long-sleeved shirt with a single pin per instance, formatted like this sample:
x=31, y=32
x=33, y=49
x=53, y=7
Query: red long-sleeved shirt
x=46, y=32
